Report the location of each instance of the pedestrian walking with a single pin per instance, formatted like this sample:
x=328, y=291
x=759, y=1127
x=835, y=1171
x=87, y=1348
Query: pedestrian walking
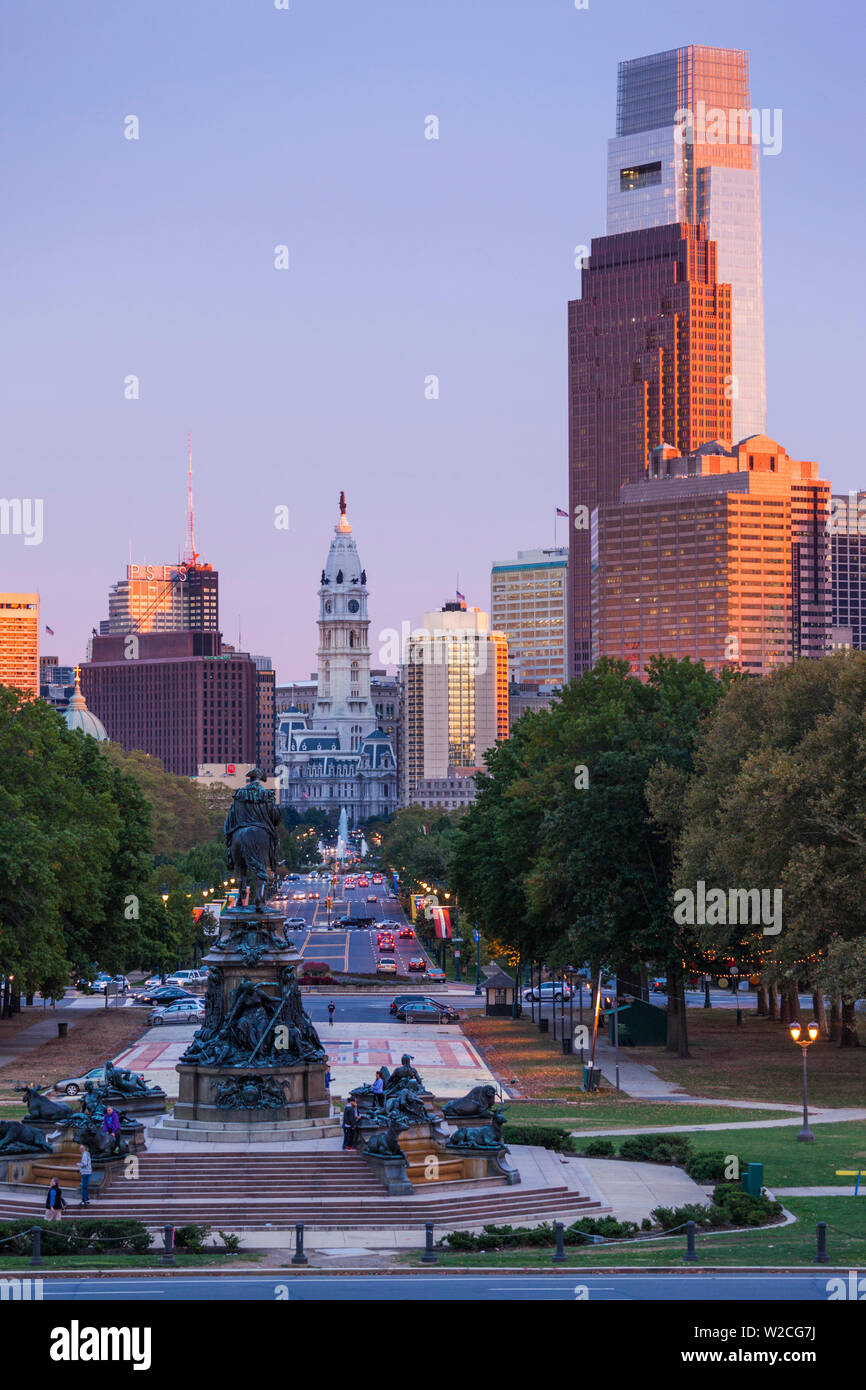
x=54, y=1202
x=332, y=1009
x=85, y=1168
x=350, y=1123
x=111, y=1126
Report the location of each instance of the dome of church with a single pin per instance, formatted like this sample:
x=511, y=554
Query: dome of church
x=78, y=716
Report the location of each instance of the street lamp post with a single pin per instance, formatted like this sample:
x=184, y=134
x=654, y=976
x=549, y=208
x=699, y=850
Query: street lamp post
x=804, y=1043
x=707, y=1003
x=477, y=960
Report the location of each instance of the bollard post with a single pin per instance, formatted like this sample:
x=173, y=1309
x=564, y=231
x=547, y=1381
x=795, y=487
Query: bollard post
x=299, y=1258
x=559, y=1252
x=36, y=1249
x=429, y=1257
x=168, y=1245
x=691, y=1253
x=822, y=1258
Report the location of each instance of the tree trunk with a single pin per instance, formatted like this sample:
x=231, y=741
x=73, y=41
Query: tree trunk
x=683, y=1033
x=820, y=1011
x=762, y=1001
x=835, y=1019
x=773, y=1002
x=673, y=1038
x=793, y=993
x=629, y=980
x=849, y=1036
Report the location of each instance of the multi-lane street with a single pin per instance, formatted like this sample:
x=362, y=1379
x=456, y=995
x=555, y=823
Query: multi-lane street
x=354, y=948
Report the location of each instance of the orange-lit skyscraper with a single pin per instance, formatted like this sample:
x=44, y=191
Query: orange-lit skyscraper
x=19, y=642
x=649, y=359
x=720, y=556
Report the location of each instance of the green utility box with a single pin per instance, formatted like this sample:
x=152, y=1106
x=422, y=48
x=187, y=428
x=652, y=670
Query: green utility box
x=752, y=1181
x=591, y=1078
x=640, y=1024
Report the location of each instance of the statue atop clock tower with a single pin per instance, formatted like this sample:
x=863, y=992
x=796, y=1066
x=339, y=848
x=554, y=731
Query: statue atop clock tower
x=343, y=701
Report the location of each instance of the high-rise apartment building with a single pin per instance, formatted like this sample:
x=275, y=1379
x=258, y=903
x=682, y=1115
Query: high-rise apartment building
x=455, y=695
x=164, y=598
x=684, y=152
x=848, y=568
x=529, y=603
x=181, y=698
x=19, y=642
x=649, y=358
x=721, y=556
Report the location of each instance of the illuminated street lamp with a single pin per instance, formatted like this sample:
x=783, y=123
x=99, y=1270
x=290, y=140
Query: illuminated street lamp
x=804, y=1043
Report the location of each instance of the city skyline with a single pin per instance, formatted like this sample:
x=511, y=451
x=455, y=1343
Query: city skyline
x=297, y=386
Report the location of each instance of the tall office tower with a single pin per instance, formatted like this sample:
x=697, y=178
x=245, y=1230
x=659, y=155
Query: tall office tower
x=164, y=598
x=721, y=556
x=180, y=698
x=19, y=642
x=665, y=166
x=848, y=569
x=649, y=355
x=529, y=603
x=455, y=695
x=266, y=714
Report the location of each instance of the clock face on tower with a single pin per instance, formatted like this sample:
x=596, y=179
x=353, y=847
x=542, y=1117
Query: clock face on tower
x=354, y=605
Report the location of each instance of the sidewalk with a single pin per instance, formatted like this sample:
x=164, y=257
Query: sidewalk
x=816, y=1117
x=39, y=1032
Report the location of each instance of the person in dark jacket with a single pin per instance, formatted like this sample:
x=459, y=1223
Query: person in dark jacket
x=54, y=1202
x=350, y=1123
x=111, y=1126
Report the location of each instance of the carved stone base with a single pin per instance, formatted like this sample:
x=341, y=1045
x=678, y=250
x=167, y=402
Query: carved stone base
x=303, y=1086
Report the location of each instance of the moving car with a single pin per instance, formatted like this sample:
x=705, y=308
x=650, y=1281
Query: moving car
x=73, y=1084
x=314, y=897
x=377, y=878
x=555, y=990
x=364, y=882
x=416, y=963
x=386, y=967
x=426, y=1011
x=293, y=878
x=435, y=974
x=386, y=943
x=294, y=922
x=371, y=897
x=299, y=897
x=407, y=933
x=183, y=1011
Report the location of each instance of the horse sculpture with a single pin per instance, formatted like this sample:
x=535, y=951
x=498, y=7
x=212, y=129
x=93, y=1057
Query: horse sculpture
x=252, y=838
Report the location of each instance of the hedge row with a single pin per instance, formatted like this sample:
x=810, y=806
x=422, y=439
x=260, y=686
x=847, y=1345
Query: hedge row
x=675, y=1149
x=85, y=1237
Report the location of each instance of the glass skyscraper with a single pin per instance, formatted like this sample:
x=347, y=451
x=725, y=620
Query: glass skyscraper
x=665, y=167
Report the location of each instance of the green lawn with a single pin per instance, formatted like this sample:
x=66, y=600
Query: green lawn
x=612, y=1114
x=149, y=1261
x=779, y=1246
x=788, y=1163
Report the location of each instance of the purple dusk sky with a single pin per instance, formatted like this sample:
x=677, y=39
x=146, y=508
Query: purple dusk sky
x=408, y=257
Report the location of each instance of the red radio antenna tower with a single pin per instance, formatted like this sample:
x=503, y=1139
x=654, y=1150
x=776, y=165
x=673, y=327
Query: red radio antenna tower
x=190, y=554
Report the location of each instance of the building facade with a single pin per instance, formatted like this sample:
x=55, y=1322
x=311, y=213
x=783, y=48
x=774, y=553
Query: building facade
x=848, y=568
x=337, y=756
x=164, y=598
x=721, y=556
x=649, y=358
x=686, y=150
x=182, y=698
x=455, y=696
x=529, y=603
x=19, y=642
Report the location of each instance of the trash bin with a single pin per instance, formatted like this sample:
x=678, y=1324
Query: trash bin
x=543, y=1025
x=61, y=1029
x=752, y=1181
x=591, y=1078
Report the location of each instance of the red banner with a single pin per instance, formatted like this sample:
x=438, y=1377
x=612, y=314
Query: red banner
x=442, y=921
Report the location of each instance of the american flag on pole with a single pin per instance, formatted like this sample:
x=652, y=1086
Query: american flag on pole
x=560, y=512
x=441, y=922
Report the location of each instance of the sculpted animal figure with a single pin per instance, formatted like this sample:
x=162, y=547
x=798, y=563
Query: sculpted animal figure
x=16, y=1137
x=39, y=1107
x=479, y=1101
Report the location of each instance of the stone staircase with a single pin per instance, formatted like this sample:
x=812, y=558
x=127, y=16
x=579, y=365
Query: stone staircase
x=280, y=1132
x=252, y=1191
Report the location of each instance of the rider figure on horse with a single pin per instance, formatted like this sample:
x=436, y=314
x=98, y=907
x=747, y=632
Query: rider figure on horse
x=252, y=835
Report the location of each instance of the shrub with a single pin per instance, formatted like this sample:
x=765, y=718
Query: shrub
x=656, y=1148
x=92, y=1236
x=599, y=1148
x=670, y=1218
x=742, y=1209
x=545, y=1136
x=231, y=1241
x=607, y=1226
x=191, y=1238
x=709, y=1167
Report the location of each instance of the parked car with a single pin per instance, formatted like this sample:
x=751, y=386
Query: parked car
x=163, y=994
x=293, y=878
x=386, y=967
x=434, y=973
x=400, y=999
x=406, y=933
x=183, y=1011
x=555, y=990
x=71, y=1085
x=426, y=1011
x=416, y=963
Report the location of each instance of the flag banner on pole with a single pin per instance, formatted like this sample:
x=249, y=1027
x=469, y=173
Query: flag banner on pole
x=560, y=512
x=442, y=922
